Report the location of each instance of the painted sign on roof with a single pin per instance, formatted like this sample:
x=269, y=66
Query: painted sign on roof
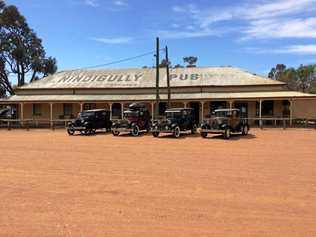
x=146, y=78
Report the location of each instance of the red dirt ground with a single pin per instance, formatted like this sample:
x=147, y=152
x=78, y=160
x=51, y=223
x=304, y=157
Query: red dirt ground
x=53, y=184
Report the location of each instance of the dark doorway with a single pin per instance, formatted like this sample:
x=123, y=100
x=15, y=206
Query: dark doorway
x=286, y=112
x=89, y=106
x=196, y=110
x=116, y=111
x=162, y=108
x=267, y=109
x=214, y=105
x=243, y=107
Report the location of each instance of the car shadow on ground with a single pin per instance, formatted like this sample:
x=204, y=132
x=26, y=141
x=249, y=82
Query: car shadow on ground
x=182, y=136
x=97, y=133
x=130, y=135
x=234, y=137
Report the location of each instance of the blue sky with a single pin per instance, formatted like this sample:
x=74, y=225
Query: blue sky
x=254, y=35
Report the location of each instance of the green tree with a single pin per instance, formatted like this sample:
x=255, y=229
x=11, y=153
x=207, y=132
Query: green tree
x=22, y=55
x=164, y=63
x=190, y=61
x=313, y=89
x=289, y=76
x=2, y=4
x=178, y=66
x=277, y=72
x=306, y=77
x=301, y=79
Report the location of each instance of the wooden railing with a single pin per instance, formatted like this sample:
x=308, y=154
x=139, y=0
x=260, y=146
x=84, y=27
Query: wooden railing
x=254, y=122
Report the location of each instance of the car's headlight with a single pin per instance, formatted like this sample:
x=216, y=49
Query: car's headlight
x=173, y=125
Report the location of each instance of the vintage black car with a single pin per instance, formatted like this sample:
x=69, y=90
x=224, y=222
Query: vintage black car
x=176, y=121
x=89, y=121
x=136, y=120
x=226, y=122
x=8, y=113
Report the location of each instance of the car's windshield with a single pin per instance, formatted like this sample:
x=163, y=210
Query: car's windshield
x=86, y=114
x=222, y=113
x=173, y=114
x=4, y=112
x=130, y=114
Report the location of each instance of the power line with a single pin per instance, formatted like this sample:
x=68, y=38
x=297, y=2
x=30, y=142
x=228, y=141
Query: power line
x=119, y=61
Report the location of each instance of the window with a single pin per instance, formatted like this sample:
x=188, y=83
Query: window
x=67, y=109
x=286, y=108
x=214, y=105
x=89, y=106
x=267, y=108
x=162, y=108
x=37, y=110
x=116, y=110
x=243, y=107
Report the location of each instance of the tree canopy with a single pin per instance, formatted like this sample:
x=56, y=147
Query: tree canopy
x=302, y=78
x=190, y=61
x=22, y=55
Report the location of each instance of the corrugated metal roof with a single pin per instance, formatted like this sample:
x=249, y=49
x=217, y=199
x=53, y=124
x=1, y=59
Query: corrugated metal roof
x=149, y=97
x=145, y=78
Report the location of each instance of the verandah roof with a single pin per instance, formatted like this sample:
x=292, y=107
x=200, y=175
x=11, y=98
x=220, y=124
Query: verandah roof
x=151, y=97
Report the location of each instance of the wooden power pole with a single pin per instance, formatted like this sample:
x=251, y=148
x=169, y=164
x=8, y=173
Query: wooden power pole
x=168, y=78
x=157, y=79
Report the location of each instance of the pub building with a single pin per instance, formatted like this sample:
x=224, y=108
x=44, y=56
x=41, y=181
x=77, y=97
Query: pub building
x=60, y=97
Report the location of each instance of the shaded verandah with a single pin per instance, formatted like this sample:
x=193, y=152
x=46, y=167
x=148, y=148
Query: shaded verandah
x=258, y=111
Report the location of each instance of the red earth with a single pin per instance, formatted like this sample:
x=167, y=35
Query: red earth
x=53, y=184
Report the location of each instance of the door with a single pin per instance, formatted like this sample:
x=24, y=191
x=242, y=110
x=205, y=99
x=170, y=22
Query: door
x=184, y=121
x=235, y=120
x=196, y=111
x=243, y=107
x=141, y=120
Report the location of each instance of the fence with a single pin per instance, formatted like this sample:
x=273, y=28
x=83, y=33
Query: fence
x=255, y=122
x=33, y=123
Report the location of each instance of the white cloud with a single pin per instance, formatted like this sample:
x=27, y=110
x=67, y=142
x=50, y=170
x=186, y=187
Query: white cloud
x=278, y=8
x=120, y=3
x=186, y=34
x=190, y=27
x=189, y=8
x=309, y=49
x=302, y=49
x=91, y=3
x=256, y=19
x=175, y=25
x=117, y=40
x=282, y=28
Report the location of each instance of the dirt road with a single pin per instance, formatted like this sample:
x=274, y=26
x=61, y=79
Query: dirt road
x=53, y=184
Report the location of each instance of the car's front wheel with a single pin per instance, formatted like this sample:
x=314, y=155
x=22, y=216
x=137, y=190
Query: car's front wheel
x=71, y=131
x=245, y=130
x=194, y=128
x=227, y=133
x=204, y=134
x=156, y=134
x=176, y=132
x=135, y=130
x=84, y=132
